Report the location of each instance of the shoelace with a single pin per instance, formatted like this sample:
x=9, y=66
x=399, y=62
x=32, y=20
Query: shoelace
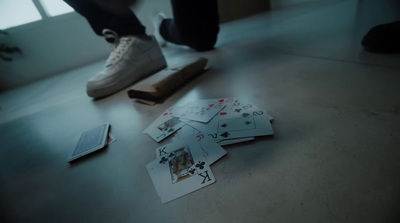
x=120, y=46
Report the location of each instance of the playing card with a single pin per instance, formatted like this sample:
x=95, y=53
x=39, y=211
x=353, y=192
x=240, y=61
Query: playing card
x=211, y=150
x=236, y=124
x=203, y=110
x=90, y=141
x=234, y=141
x=235, y=119
x=240, y=107
x=164, y=125
x=111, y=139
x=185, y=131
x=242, y=125
x=180, y=171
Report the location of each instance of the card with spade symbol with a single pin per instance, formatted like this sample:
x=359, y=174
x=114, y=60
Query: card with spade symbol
x=235, y=109
x=181, y=170
x=164, y=125
x=242, y=125
x=240, y=107
x=238, y=121
x=236, y=124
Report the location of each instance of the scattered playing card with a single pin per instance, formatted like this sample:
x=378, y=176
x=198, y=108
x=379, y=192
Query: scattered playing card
x=164, y=126
x=90, y=141
x=181, y=170
x=185, y=131
x=200, y=128
x=212, y=151
x=110, y=139
x=237, y=121
x=203, y=110
x=234, y=141
x=239, y=107
x=242, y=125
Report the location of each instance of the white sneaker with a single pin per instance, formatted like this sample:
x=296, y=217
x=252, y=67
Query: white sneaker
x=131, y=60
x=157, y=18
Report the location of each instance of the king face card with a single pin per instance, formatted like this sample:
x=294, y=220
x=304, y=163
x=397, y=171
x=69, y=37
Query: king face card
x=181, y=170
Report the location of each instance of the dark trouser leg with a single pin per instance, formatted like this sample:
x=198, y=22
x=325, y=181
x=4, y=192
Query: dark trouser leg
x=125, y=23
x=384, y=38
x=195, y=24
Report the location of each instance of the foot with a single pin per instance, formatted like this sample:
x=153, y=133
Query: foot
x=157, y=18
x=383, y=38
x=132, y=59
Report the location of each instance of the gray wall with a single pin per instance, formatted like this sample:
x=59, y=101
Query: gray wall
x=65, y=42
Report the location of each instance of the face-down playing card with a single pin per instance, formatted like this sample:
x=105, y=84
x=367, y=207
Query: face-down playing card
x=180, y=171
x=90, y=141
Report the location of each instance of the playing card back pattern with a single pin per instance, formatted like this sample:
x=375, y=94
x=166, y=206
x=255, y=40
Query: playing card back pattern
x=90, y=141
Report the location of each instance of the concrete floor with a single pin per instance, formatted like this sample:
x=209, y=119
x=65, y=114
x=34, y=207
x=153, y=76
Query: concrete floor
x=334, y=158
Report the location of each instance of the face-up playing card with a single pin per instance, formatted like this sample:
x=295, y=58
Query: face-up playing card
x=203, y=110
x=242, y=125
x=236, y=124
x=234, y=141
x=181, y=170
x=90, y=141
x=237, y=121
x=165, y=125
x=185, y=131
x=211, y=150
x=240, y=107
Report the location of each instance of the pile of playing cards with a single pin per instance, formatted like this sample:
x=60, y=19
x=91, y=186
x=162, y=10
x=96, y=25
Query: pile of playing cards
x=199, y=130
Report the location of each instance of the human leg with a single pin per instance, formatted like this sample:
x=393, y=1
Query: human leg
x=195, y=24
x=124, y=23
x=135, y=54
x=384, y=38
